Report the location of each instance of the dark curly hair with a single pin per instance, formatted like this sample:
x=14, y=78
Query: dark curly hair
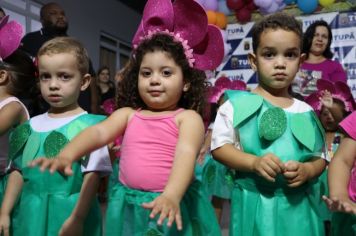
x=309, y=35
x=276, y=21
x=128, y=94
x=22, y=75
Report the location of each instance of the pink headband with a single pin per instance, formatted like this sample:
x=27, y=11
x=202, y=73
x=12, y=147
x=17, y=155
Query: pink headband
x=222, y=84
x=339, y=90
x=10, y=37
x=187, y=23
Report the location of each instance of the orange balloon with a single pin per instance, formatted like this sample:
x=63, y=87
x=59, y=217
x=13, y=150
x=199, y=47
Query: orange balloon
x=211, y=17
x=221, y=20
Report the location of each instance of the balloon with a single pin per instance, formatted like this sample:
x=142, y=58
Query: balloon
x=263, y=3
x=289, y=2
x=326, y=3
x=281, y=7
x=307, y=6
x=251, y=6
x=201, y=2
x=222, y=7
x=243, y=15
x=211, y=17
x=272, y=9
x=221, y=20
x=211, y=5
x=279, y=2
x=235, y=4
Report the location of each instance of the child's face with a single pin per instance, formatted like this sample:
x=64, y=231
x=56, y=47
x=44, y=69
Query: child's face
x=104, y=76
x=320, y=40
x=61, y=81
x=160, y=81
x=327, y=120
x=277, y=58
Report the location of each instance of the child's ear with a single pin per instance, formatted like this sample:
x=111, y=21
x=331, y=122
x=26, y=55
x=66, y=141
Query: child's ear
x=303, y=57
x=4, y=75
x=85, y=82
x=186, y=87
x=252, y=60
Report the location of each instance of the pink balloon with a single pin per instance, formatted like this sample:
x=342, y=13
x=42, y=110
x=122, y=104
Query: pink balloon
x=211, y=5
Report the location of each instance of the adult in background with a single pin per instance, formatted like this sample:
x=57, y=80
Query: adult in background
x=55, y=24
x=318, y=63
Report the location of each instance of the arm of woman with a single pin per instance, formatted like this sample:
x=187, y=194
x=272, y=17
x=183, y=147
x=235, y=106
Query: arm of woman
x=74, y=224
x=87, y=141
x=12, y=193
x=191, y=135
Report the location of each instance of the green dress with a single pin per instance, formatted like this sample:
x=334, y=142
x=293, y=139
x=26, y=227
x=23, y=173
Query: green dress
x=260, y=207
x=47, y=200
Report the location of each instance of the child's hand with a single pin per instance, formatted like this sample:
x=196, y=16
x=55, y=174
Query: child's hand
x=341, y=205
x=61, y=164
x=268, y=166
x=296, y=173
x=4, y=225
x=72, y=226
x=202, y=152
x=168, y=208
x=326, y=99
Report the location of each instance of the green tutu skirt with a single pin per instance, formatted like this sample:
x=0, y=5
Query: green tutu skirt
x=217, y=179
x=343, y=224
x=257, y=211
x=126, y=216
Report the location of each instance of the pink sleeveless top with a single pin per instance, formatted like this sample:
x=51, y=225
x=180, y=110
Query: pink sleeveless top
x=147, y=151
x=349, y=124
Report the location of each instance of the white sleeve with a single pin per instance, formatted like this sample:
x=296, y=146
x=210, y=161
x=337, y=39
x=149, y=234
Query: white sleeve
x=223, y=131
x=98, y=161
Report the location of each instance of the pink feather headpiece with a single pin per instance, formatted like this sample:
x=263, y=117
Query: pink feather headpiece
x=222, y=84
x=10, y=37
x=187, y=22
x=339, y=90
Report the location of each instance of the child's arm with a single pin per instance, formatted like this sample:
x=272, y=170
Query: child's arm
x=74, y=224
x=191, y=135
x=297, y=173
x=205, y=148
x=9, y=116
x=87, y=141
x=339, y=176
x=328, y=101
x=12, y=192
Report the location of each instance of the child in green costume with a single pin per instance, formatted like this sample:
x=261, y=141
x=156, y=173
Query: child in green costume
x=274, y=142
x=48, y=203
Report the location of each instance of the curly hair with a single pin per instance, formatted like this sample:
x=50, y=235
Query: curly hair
x=309, y=35
x=276, y=21
x=128, y=94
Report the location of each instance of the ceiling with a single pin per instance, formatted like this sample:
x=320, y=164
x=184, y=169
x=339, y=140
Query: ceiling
x=137, y=5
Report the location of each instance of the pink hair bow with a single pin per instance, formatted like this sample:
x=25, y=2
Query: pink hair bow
x=10, y=37
x=222, y=84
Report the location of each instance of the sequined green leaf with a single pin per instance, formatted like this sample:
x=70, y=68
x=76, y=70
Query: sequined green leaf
x=153, y=232
x=18, y=139
x=31, y=148
x=229, y=177
x=273, y=124
x=246, y=106
x=54, y=143
x=303, y=130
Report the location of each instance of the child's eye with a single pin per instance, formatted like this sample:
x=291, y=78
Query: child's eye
x=45, y=76
x=64, y=77
x=166, y=73
x=291, y=55
x=145, y=73
x=268, y=55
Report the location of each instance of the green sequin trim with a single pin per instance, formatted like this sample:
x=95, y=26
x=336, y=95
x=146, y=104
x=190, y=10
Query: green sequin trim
x=273, y=124
x=18, y=139
x=153, y=232
x=229, y=177
x=54, y=143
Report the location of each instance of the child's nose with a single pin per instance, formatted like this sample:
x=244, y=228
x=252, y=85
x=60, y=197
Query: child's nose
x=280, y=62
x=155, y=79
x=53, y=83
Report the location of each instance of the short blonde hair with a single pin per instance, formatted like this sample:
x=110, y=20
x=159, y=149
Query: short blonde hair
x=67, y=45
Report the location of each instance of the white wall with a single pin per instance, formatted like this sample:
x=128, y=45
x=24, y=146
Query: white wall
x=87, y=18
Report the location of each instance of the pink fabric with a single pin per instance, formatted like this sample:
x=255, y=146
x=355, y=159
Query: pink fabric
x=330, y=70
x=349, y=125
x=147, y=151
